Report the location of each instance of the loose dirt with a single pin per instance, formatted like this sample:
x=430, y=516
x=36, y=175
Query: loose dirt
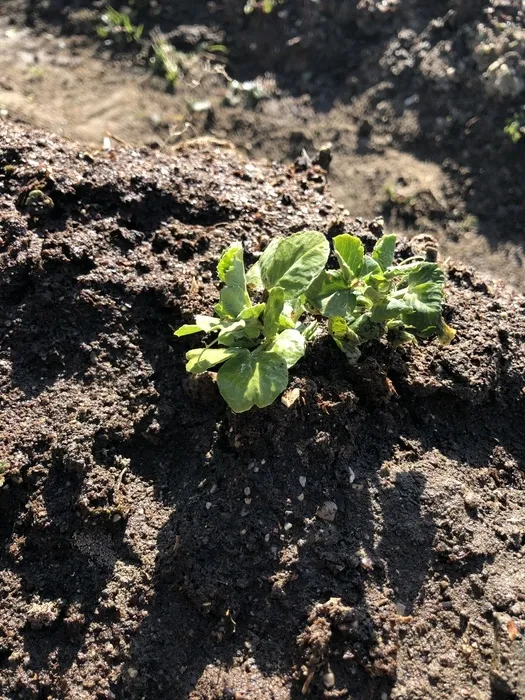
x=403, y=92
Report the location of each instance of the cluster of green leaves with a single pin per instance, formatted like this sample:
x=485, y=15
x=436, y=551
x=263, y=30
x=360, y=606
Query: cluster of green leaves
x=369, y=297
x=257, y=342
x=259, y=322
x=165, y=59
x=515, y=128
x=267, y=6
x=118, y=25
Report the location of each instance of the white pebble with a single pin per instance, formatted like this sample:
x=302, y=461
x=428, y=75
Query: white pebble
x=208, y=505
x=300, y=497
x=247, y=491
x=302, y=481
x=288, y=526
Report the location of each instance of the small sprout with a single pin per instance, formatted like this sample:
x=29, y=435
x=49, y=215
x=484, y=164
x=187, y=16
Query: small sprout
x=117, y=26
x=267, y=6
x=515, y=128
x=38, y=203
x=166, y=60
x=258, y=324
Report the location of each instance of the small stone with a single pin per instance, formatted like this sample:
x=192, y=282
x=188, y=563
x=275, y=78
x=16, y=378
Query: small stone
x=247, y=491
x=208, y=505
x=302, y=481
x=288, y=526
x=327, y=511
x=132, y=672
x=300, y=497
x=290, y=397
x=472, y=500
x=329, y=679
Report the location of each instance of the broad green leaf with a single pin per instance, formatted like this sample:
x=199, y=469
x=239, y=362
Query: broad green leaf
x=384, y=250
x=187, y=329
x=231, y=332
x=290, y=345
x=253, y=277
x=231, y=267
x=272, y=312
x=367, y=329
x=349, y=252
x=389, y=309
x=234, y=297
x=337, y=327
x=295, y=262
x=285, y=322
x=423, y=307
x=232, y=302
x=330, y=296
x=252, y=312
x=252, y=379
x=338, y=304
x=207, y=323
x=201, y=359
x=426, y=272
x=203, y=324
x=369, y=267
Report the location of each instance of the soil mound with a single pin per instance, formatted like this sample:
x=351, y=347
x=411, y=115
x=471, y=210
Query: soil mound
x=365, y=542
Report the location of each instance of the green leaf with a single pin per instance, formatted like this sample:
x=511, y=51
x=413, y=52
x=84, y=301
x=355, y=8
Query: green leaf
x=388, y=309
x=252, y=312
x=201, y=359
x=369, y=267
x=272, y=312
x=290, y=344
x=207, y=323
x=252, y=379
x=231, y=303
x=330, y=296
x=234, y=297
x=337, y=327
x=294, y=262
x=366, y=328
x=187, y=329
x=203, y=324
x=423, y=298
x=231, y=332
x=426, y=272
x=384, y=250
x=349, y=252
x=230, y=267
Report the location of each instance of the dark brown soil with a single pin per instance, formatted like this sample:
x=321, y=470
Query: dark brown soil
x=155, y=546
x=398, y=88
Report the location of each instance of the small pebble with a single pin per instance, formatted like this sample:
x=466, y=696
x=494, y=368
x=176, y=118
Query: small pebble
x=132, y=672
x=208, y=505
x=288, y=526
x=327, y=511
x=329, y=679
x=300, y=497
x=247, y=491
x=302, y=481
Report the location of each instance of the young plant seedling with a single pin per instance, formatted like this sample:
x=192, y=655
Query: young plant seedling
x=257, y=342
x=369, y=297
